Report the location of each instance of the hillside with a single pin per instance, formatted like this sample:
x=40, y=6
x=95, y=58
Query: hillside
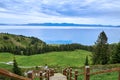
x=64, y=58
x=19, y=43
x=18, y=40
x=23, y=45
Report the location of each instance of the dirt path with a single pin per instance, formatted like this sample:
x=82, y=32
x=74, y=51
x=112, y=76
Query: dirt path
x=58, y=76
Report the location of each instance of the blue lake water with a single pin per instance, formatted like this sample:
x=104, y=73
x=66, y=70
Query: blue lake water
x=64, y=34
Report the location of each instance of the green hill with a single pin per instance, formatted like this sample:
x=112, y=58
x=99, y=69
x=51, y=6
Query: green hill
x=18, y=40
x=66, y=58
x=23, y=45
x=19, y=44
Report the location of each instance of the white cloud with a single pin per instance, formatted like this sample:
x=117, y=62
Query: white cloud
x=2, y=10
x=77, y=11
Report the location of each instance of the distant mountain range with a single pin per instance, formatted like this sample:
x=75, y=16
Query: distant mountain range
x=59, y=24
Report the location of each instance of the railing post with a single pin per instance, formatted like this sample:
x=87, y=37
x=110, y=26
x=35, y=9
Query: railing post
x=76, y=74
x=87, y=73
x=41, y=75
x=45, y=74
x=70, y=73
x=64, y=72
x=52, y=72
x=48, y=75
x=30, y=75
x=67, y=73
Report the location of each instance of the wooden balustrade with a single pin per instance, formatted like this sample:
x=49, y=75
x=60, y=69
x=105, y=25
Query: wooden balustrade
x=12, y=75
x=42, y=74
x=70, y=74
x=73, y=75
x=87, y=72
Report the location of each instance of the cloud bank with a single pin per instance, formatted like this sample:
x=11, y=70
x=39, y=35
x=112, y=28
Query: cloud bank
x=57, y=11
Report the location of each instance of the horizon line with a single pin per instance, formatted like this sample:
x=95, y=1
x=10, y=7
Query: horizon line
x=56, y=24
x=57, y=27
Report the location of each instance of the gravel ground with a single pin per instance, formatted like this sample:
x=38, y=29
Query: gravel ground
x=58, y=76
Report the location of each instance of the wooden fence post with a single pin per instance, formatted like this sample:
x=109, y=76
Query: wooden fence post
x=30, y=75
x=76, y=74
x=41, y=75
x=87, y=73
x=52, y=72
x=64, y=72
x=70, y=73
x=48, y=76
x=45, y=74
x=67, y=73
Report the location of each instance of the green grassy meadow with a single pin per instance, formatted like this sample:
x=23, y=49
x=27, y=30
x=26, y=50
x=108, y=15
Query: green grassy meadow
x=65, y=58
x=62, y=59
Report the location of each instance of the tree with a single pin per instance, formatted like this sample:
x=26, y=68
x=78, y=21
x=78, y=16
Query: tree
x=116, y=54
x=101, y=50
x=16, y=69
x=86, y=61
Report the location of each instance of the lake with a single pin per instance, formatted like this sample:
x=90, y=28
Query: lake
x=64, y=34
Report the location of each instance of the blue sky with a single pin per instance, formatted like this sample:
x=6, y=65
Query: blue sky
x=57, y=11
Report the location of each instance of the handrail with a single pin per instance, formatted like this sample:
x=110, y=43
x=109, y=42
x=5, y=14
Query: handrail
x=12, y=75
x=74, y=75
x=88, y=73
x=105, y=71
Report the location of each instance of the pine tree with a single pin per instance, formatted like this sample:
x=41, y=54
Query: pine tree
x=101, y=50
x=16, y=69
x=116, y=54
x=86, y=61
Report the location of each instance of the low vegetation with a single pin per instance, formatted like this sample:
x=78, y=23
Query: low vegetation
x=65, y=58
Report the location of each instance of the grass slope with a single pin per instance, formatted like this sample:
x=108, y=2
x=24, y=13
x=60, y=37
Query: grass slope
x=66, y=58
x=12, y=40
x=72, y=58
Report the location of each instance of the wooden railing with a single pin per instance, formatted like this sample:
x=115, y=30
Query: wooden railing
x=73, y=75
x=31, y=75
x=70, y=74
x=12, y=75
x=45, y=74
x=87, y=72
